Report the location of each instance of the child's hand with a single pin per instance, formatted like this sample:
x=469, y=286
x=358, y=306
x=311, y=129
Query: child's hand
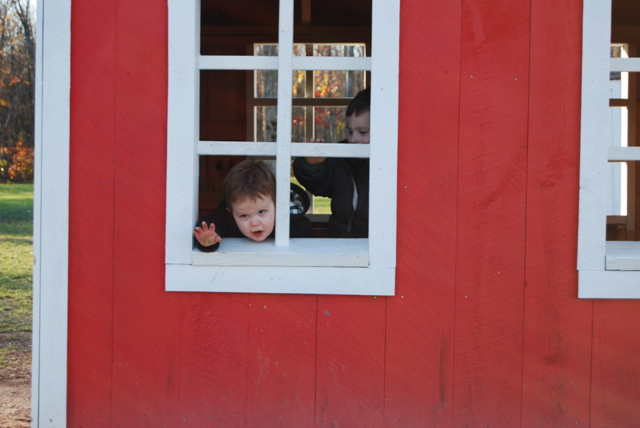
x=206, y=235
x=315, y=160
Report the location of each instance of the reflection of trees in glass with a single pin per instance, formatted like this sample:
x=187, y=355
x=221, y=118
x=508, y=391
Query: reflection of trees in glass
x=338, y=83
x=267, y=121
x=329, y=123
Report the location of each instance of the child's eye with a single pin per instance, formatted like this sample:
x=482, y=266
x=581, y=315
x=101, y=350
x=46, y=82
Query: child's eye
x=262, y=212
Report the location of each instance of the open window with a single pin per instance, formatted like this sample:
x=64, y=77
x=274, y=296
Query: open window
x=211, y=48
x=608, y=246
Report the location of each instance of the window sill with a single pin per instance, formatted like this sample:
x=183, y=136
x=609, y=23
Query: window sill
x=300, y=252
x=623, y=255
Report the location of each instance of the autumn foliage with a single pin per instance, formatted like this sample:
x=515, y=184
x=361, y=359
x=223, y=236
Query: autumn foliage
x=17, y=54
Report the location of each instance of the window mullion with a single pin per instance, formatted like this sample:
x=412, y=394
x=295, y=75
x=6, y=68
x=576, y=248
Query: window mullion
x=283, y=156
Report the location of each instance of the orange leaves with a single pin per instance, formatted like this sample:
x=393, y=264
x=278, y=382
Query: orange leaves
x=19, y=165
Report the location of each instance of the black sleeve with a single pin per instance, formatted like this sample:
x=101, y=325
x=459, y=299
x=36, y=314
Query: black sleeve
x=316, y=178
x=226, y=226
x=300, y=227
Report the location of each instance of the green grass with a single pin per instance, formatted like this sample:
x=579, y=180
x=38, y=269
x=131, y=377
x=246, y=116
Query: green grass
x=16, y=266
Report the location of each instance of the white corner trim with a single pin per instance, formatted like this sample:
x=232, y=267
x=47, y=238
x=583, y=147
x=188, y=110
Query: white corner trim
x=51, y=213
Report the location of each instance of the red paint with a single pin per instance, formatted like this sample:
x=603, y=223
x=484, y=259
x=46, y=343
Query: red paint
x=494, y=76
x=420, y=319
x=615, y=365
x=146, y=323
x=281, y=385
x=485, y=329
x=350, y=361
x=213, y=359
x=557, y=328
x=91, y=214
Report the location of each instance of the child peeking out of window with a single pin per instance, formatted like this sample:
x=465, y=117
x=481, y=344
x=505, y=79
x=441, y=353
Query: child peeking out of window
x=344, y=180
x=248, y=208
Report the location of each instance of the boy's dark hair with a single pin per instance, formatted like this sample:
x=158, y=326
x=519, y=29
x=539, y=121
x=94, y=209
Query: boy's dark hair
x=249, y=180
x=360, y=104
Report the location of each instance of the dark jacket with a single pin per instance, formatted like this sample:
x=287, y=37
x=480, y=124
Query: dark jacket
x=226, y=227
x=337, y=178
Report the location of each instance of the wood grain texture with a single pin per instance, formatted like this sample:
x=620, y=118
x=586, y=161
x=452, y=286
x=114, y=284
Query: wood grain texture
x=350, y=361
x=146, y=318
x=557, y=342
x=491, y=213
x=213, y=359
x=281, y=361
x=616, y=345
x=91, y=213
x=419, y=330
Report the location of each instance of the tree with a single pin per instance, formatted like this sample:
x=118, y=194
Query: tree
x=17, y=78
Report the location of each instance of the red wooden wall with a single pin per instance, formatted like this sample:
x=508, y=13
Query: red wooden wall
x=485, y=329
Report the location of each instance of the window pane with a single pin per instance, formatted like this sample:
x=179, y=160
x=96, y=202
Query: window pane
x=335, y=83
x=266, y=81
x=223, y=105
x=267, y=124
x=330, y=123
x=228, y=27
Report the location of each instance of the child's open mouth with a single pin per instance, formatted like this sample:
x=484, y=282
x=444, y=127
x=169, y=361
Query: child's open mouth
x=257, y=233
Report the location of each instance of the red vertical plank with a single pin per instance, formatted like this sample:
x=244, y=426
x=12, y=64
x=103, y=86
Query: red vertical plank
x=419, y=344
x=557, y=344
x=146, y=318
x=213, y=360
x=350, y=361
x=281, y=361
x=615, y=388
x=491, y=214
x=91, y=213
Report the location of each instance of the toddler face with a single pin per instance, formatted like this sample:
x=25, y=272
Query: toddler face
x=358, y=128
x=255, y=218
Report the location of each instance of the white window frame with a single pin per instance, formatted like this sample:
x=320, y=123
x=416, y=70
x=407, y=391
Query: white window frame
x=605, y=269
x=314, y=266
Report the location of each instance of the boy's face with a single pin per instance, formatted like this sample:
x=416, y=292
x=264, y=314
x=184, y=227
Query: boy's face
x=255, y=218
x=358, y=128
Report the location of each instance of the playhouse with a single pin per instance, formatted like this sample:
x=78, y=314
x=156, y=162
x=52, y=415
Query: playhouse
x=496, y=286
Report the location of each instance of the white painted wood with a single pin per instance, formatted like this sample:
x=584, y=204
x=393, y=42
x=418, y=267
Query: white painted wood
x=290, y=280
x=182, y=129
x=623, y=154
x=37, y=229
x=625, y=64
x=299, y=252
x=594, y=130
x=608, y=285
x=236, y=148
x=384, y=133
x=614, y=206
x=331, y=63
x=623, y=255
x=224, y=62
x=51, y=214
x=242, y=148
x=382, y=246
x=330, y=150
x=283, y=155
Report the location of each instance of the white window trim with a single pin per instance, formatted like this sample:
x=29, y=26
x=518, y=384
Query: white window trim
x=271, y=269
x=51, y=214
x=596, y=257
